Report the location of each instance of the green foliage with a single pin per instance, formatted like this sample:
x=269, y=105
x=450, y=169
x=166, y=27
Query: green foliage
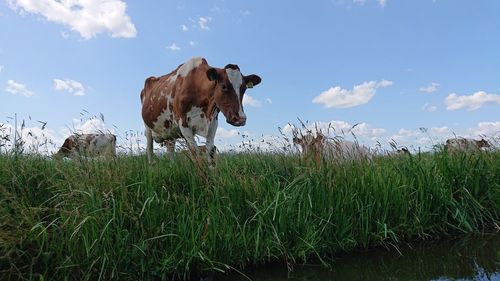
x=122, y=219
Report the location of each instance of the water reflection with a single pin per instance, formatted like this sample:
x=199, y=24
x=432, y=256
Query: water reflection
x=471, y=258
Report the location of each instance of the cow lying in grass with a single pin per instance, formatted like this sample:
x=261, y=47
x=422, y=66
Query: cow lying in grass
x=102, y=145
x=339, y=150
x=463, y=144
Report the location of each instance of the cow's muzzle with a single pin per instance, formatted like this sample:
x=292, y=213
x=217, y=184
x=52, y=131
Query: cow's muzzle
x=237, y=121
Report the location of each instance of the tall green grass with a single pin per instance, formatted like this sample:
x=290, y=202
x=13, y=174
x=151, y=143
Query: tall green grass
x=122, y=219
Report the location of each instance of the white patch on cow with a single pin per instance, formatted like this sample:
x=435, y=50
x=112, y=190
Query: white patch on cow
x=236, y=80
x=462, y=144
x=197, y=123
x=159, y=129
x=103, y=144
x=186, y=68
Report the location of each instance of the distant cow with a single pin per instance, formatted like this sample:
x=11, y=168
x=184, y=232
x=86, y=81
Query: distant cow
x=186, y=102
x=399, y=152
x=333, y=149
x=463, y=144
x=88, y=145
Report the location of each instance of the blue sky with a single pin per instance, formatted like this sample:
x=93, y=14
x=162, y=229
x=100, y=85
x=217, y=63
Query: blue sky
x=392, y=67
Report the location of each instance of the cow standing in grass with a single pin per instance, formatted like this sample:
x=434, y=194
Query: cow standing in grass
x=187, y=101
x=463, y=144
x=88, y=145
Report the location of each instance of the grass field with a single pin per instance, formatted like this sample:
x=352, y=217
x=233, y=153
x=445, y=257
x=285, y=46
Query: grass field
x=121, y=219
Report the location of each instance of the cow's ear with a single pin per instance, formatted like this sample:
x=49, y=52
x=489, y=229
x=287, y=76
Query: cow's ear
x=212, y=74
x=252, y=80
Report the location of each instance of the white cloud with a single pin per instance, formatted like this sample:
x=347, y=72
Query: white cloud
x=343, y=98
x=90, y=126
x=265, y=143
x=203, y=22
x=1, y=68
x=429, y=108
x=223, y=133
x=174, y=47
x=485, y=129
x=427, y=138
x=45, y=140
x=71, y=86
x=382, y=3
x=184, y=27
x=250, y=101
x=192, y=43
x=15, y=88
x=440, y=131
x=34, y=139
x=338, y=128
x=87, y=17
x=269, y=100
x=368, y=131
x=432, y=87
x=404, y=137
x=471, y=102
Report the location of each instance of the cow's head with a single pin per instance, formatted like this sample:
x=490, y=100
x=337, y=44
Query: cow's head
x=230, y=86
x=309, y=142
x=482, y=143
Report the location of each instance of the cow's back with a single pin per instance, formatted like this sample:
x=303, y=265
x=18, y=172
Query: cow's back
x=154, y=98
x=463, y=144
x=100, y=144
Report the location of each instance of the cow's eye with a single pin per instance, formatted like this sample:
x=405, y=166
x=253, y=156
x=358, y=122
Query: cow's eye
x=224, y=87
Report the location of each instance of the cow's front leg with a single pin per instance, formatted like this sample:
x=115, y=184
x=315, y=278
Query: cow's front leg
x=188, y=135
x=170, y=144
x=149, y=145
x=212, y=129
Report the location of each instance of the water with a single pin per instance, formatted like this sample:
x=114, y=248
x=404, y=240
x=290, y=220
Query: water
x=470, y=258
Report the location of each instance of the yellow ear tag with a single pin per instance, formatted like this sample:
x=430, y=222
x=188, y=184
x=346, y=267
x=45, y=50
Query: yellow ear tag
x=249, y=85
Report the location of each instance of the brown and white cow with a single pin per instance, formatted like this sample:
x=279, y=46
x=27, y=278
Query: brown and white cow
x=463, y=144
x=338, y=150
x=186, y=102
x=88, y=145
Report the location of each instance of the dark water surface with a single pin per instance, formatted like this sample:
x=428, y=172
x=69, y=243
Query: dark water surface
x=470, y=258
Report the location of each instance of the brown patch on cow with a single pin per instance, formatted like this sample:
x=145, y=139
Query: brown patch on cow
x=482, y=143
x=89, y=138
x=69, y=145
x=153, y=105
x=232, y=66
x=168, y=124
x=312, y=146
